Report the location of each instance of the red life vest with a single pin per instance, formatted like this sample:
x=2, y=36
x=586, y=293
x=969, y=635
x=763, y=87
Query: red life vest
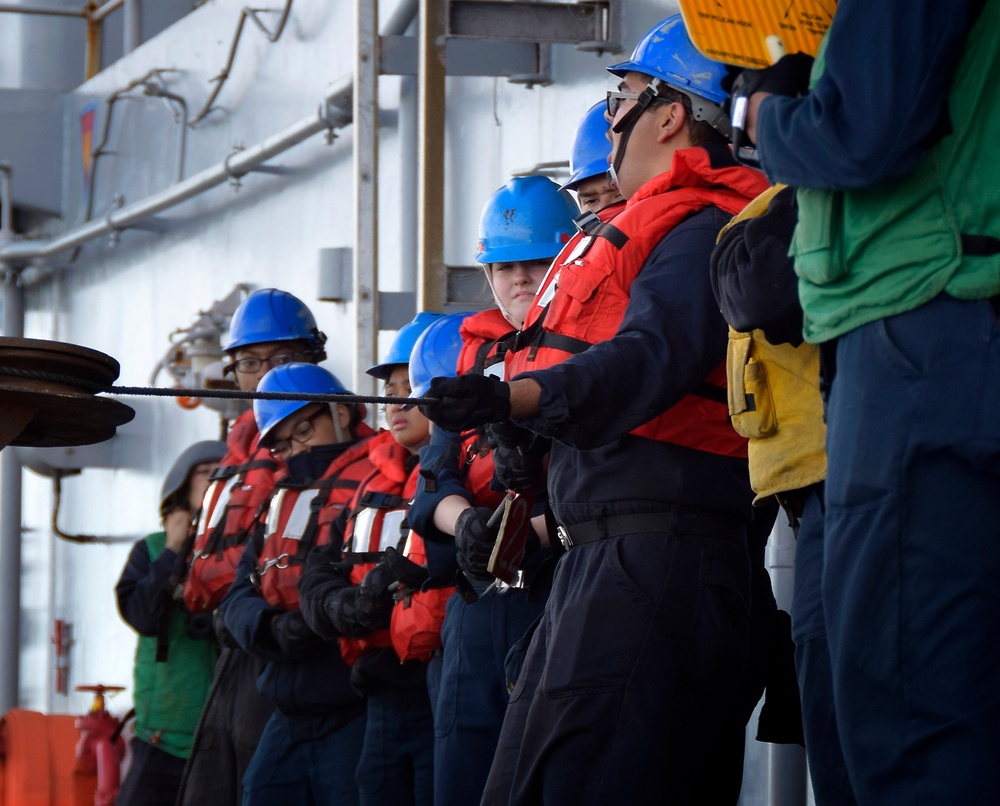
x=377, y=519
x=416, y=621
x=483, y=335
x=300, y=516
x=230, y=510
x=583, y=298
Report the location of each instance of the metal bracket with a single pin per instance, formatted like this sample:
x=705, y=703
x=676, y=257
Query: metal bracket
x=593, y=24
x=234, y=177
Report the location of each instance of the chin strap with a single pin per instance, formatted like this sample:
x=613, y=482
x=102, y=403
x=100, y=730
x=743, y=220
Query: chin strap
x=625, y=126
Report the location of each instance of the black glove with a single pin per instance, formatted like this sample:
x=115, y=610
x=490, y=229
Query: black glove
x=199, y=627
x=787, y=76
x=222, y=634
x=467, y=401
x=293, y=636
x=404, y=570
x=474, y=539
x=373, y=602
x=517, y=455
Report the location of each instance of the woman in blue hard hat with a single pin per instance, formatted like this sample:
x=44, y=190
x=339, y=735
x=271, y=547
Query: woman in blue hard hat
x=523, y=226
x=310, y=747
x=270, y=327
x=348, y=592
x=173, y=667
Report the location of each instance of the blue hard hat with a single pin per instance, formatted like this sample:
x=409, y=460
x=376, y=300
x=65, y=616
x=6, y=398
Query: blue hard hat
x=435, y=355
x=667, y=53
x=402, y=345
x=529, y=218
x=271, y=315
x=590, y=147
x=294, y=377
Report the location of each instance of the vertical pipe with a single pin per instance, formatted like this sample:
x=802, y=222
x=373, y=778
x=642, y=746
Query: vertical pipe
x=132, y=26
x=408, y=198
x=92, y=59
x=788, y=776
x=430, y=145
x=365, y=192
x=10, y=525
x=10, y=480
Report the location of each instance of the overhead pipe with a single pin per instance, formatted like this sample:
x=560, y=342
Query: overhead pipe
x=334, y=112
x=46, y=11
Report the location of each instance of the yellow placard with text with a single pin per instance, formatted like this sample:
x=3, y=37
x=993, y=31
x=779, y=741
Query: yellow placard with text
x=756, y=33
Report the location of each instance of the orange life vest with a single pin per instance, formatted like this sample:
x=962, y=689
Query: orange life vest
x=237, y=491
x=582, y=300
x=300, y=515
x=483, y=335
x=377, y=518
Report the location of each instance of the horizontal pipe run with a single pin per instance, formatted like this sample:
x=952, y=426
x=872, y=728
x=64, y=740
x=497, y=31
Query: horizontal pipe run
x=334, y=113
x=48, y=11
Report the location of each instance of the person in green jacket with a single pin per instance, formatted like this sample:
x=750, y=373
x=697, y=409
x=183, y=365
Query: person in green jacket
x=173, y=665
x=892, y=147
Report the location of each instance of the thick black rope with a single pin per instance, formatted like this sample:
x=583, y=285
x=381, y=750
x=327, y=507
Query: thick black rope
x=227, y=394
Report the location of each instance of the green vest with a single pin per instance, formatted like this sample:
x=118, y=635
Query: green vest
x=867, y=254
x=169, y=696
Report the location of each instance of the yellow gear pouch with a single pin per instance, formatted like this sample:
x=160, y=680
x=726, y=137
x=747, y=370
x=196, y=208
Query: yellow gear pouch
x=751, y=407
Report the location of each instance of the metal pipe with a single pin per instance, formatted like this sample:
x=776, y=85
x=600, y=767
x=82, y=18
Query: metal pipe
x=788, y=776
x=335, y=112
x=223, y=76
x=132, y=25
x=10, y=482
x=365, y=268
x=98, y=13
x=7, y=203
x=430, y=142
x=49, y=11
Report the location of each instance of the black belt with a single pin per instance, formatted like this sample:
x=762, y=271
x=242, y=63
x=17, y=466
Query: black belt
x=684, y=520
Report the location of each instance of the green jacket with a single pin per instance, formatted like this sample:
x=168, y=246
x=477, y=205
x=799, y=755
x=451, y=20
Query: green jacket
x=867, y=254
x=169, y=696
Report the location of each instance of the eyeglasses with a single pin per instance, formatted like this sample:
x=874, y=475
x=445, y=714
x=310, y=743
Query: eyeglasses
x=301, y=432
x=614, y=100
x=248, y=365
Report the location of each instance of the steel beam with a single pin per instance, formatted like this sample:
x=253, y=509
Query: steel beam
x=398, y=56
x=529, y=22
x=430, y=145
x=365, y=268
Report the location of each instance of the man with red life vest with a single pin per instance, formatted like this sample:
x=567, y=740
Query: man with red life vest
x=347, y=594
x=269, y=328
x=310, y=747
x=632, y=677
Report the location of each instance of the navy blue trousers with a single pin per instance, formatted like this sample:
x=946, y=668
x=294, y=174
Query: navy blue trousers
x=827, y=770
x=472, y=691
x=313, y=772
x=911, y=584
x=633, y=675
x=397, y=759
x=227, y=737
x=153, y=779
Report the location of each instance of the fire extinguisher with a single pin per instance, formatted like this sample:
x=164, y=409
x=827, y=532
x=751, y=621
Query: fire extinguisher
x=101, y=747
